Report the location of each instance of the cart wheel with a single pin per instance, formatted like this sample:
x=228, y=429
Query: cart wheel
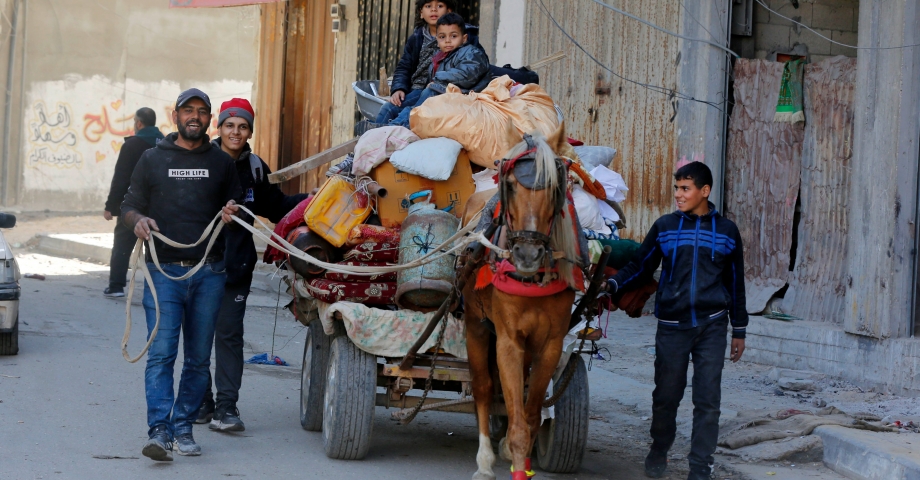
x=562, y=440
x=348, y=404
x=498, y=427
x=9, y=342
x=313, y=377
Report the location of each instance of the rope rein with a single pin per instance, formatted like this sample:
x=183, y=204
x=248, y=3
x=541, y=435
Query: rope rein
x=459, y=241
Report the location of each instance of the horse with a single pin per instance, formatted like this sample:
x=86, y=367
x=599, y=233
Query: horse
x=529, y=332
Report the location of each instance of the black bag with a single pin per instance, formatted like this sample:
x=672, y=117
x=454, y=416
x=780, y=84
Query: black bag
x=520, y=75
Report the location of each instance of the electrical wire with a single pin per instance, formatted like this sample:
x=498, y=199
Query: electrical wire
x=655, y=88
x=660, y=29
x=828, y=39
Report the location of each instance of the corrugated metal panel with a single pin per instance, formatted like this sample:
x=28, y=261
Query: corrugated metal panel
x=817, y=285
x=306, y=124
x=600, y=108
x=762, y=171
x=269, y=83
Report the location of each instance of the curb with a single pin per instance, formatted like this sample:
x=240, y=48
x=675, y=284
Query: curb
x=864, y=455
x=90, y=246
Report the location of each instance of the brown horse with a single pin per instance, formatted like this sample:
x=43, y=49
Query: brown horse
x=529, y=330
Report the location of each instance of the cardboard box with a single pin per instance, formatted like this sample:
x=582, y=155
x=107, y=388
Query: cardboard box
x=454, y=191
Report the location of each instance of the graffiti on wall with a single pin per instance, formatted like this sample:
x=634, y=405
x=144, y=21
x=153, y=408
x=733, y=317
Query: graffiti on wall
x=51, y=136
x=75, y=128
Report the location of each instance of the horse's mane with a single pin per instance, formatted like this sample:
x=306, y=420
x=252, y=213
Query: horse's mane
x=562, y=236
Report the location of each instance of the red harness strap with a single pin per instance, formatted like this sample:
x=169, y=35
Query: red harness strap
x=506, y=284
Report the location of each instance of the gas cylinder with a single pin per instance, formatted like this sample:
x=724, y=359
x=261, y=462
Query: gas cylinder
x=425, y=287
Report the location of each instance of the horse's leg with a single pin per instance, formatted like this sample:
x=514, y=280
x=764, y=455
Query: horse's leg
x=510, y=354
x=543, y=367
x=477, y=347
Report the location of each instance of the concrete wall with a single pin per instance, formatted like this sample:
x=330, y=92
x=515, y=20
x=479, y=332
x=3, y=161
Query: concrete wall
x=89, y=64
x=835, y=19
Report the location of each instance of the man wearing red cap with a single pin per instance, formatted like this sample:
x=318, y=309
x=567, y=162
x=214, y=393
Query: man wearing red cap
x=234, y=124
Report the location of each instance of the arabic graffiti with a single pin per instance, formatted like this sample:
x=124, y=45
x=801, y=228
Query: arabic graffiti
x=53, y=129
x=45, y=156
x=96, y=126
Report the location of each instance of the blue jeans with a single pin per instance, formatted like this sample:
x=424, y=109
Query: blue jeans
x=189, y=306
x=403, y=118
x=674, y=348
x=388, y=111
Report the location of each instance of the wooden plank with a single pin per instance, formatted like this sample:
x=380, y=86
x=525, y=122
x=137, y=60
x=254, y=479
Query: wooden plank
x=314, y=161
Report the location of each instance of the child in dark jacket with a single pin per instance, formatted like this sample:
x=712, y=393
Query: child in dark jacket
x=411, y=75
x=457, y=63
x=700, y=290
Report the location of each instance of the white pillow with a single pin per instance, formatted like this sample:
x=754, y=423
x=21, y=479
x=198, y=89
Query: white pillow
x=432, y=158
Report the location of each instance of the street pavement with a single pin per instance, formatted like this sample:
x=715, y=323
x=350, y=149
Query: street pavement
x=72, y=407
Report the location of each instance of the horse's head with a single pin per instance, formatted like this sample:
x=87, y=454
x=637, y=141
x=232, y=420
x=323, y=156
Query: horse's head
x=532, y=189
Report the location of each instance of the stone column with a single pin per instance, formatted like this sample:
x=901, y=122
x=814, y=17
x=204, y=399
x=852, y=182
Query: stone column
x=883, y=183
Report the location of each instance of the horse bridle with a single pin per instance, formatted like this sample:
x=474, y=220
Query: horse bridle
x=523, y=166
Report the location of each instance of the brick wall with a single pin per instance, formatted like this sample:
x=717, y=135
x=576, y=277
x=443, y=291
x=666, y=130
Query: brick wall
x=835, y=19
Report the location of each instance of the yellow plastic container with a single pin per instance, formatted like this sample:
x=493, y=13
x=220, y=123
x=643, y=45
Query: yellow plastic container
x=336, y=210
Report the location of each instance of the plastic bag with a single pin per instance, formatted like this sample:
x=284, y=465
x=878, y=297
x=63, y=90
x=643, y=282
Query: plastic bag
x=593, y=156
x=589, y=215
x=612, y=182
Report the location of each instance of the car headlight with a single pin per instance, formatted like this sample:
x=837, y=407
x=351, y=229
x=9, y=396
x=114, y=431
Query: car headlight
x=7, y=271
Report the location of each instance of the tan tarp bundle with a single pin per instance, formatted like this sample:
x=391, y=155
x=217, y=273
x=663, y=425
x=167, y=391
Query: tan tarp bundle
x=490, y=123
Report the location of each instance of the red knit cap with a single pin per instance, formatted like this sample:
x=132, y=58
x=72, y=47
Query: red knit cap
x=236, y=107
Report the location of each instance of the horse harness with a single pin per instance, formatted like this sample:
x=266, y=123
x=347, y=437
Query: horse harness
x=524, y=168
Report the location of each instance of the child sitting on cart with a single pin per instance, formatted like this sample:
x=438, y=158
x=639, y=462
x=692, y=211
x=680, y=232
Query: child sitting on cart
x=457, y=62
x=412, y=71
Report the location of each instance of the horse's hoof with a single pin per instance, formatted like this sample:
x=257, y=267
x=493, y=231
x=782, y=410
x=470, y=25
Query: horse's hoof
x=483, y=476
x=504, y=451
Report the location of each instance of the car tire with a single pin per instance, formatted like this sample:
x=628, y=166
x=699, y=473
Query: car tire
x=9, y=342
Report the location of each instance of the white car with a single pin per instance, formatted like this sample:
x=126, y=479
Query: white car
x=9, y=292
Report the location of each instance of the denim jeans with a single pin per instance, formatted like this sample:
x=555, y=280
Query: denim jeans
x=189, y=306
x=388, y=111
x=674, y=348
x=403, y=118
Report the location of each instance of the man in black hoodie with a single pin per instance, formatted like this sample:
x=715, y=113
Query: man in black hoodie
x=701, y=289
x=146, y=135
x=176, y=189
x=265, y=199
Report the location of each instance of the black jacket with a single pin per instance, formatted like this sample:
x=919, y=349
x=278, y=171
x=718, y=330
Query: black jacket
x=128, y=156
x=182, y=190
x=702, y=277
x=464, y=67
x=265, y=200
x=408, y=63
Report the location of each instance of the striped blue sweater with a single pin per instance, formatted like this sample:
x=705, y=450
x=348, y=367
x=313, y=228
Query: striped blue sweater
x=702, y=275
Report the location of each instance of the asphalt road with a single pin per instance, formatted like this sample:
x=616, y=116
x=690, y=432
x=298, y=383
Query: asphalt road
x=72, y=407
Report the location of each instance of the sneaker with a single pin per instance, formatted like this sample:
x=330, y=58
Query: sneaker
x=159, y=447
x=206, y=412
x=114, y=292
x=343, y=167
x=655, y=464
x=185, y=445
x=227, y=421
x=704, y=473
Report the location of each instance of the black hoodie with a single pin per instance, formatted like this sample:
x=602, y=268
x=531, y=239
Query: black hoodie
x=182, y=190
x=702, y=276
x=264, y=199
x=128, y=156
